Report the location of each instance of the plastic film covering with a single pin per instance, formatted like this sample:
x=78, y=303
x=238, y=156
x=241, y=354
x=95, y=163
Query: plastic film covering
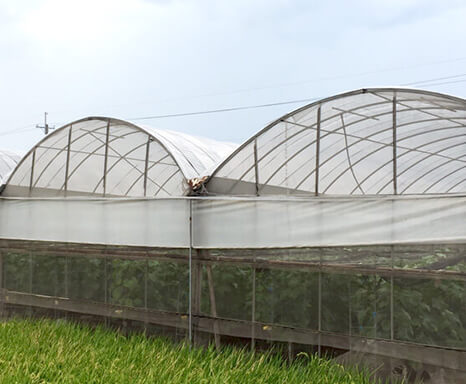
x=109, y=157
x=8, y=161
x=237, y=223
x=365, y=142
x=128, y=222
x=259, y=223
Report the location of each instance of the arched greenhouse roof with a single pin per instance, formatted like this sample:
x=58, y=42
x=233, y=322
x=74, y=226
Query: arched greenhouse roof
x=8, y=161
x=365, y=142
x=110, y=157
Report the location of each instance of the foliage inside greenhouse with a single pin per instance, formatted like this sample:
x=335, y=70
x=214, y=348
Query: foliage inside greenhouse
x=339, y=229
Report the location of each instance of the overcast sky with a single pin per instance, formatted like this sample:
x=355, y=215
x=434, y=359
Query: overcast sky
x=137, y=58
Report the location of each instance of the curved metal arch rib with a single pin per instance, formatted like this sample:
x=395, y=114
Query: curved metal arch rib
x=106, y=120
x=430, y=105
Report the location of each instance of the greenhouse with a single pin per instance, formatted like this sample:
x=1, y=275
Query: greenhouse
x=339, y=229
x=8, y=161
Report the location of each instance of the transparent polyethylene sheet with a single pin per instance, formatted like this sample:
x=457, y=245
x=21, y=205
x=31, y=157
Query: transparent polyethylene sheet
x=327, y=222
x=237, y=223
x=125, y=222
x=375, y=141
x=110, y=157
x=8, y=161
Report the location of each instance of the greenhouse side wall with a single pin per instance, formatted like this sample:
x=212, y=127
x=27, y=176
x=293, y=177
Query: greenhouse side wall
x=129, y=264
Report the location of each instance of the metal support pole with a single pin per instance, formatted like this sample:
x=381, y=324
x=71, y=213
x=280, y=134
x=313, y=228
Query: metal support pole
x=146, y=278
x=213, y=305
x=320, y=313
x=107, y=135
x=395, y=187
x=2, y=286
x=350, y=322
x=31, y=180
x=106, y=285
x=67, y=167
x=256, y=167
x=146, y=165
x=392, y=330
x=66, y=277
x=317, y=152
x=190, y=305
x=253, y=309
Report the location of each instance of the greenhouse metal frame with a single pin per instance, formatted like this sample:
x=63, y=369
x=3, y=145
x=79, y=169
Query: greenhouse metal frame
x=339, y=229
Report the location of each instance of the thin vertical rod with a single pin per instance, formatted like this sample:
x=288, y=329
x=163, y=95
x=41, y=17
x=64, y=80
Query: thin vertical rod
x=146, y=278
x=106, y=285
x=31, y=272
x=392, y=325
x=1, y=270
x=317, y=152
x=350, y=322
x=31, y=180
x=213, y=305
x=2, y=285
x=146, y=165
x=66, y=276
x=320, y=312
x=105, y=280
x=67, y=167
x=392, y=330
x=395, y=187
x=256, y=167
x=253, y=309
x=190, y=305
x=107, y=135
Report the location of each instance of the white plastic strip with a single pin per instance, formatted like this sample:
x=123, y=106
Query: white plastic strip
x=327, y=222
x=237, y=223
x=158, y=223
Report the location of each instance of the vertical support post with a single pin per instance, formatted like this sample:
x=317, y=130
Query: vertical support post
x=395, y=176
x=320, y=312
x=213, y=305
x=107, y=135
x=105, y=280
x=67, y=166
x=350, y=322
x=146, y=278
x=253, y=309
x=317, y=151
x=196, y=288
x=190, y=294
x=31, y=271
x=256, y=167
x=146, y=272
x=392, y=325
x=1, y=270
x=392, y=330
x=31, y=180
x=2, y=291
x=146, y=165
x=106, y=286
x=66, y=276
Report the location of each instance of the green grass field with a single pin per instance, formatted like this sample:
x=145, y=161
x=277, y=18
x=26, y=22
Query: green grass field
x=60, y=352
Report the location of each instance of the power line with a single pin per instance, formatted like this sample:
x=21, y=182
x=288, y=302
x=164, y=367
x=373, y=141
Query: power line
x=444, y=82
x=17, y=130
x=435, y=79
x=231, y=109
x=428, y=82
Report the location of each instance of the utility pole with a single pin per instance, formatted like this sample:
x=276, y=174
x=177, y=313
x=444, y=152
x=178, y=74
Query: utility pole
x=45, y=127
